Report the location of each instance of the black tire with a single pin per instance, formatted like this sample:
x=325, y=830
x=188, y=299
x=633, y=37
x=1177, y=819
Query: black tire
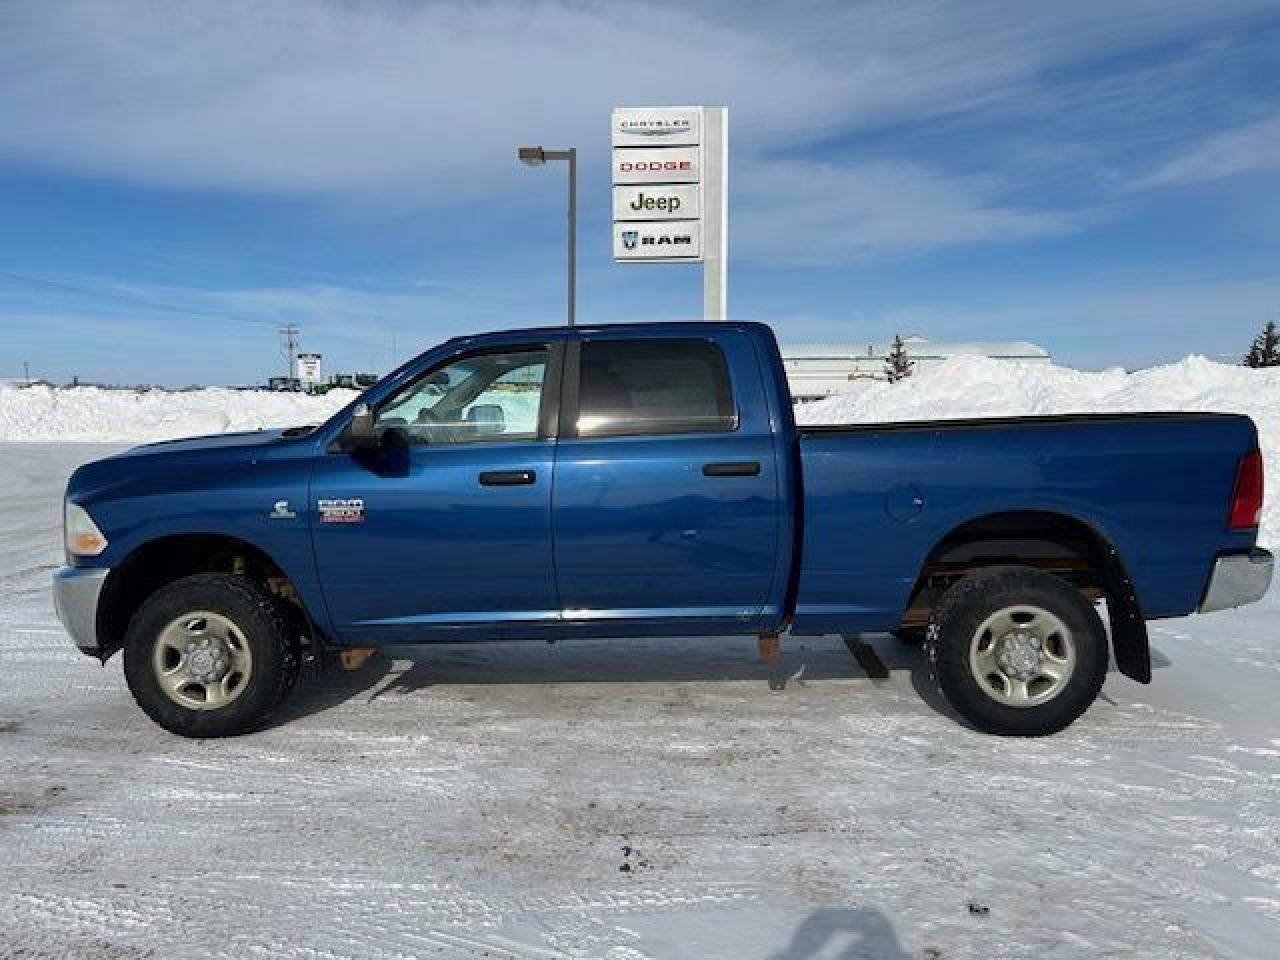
x=258, y=618
x=965, y=608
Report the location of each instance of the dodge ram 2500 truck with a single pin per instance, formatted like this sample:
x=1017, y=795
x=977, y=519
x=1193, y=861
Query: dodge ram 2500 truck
x=650, y=480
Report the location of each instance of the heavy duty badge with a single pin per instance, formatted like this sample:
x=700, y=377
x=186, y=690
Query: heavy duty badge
x=341, y=511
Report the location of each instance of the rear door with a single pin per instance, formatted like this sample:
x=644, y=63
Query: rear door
x=666, y=500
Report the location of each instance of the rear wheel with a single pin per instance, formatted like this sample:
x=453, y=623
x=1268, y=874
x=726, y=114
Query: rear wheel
x=1017, y=651
x=209, y=656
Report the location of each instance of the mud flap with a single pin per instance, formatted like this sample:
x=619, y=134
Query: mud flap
x=1129, y=641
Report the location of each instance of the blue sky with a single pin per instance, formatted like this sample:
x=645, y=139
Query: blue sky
x=175, y=180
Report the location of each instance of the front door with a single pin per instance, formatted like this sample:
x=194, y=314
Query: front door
x=666, y=496
x=445, y=529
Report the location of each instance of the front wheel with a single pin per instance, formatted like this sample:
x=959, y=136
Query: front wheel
x=1017, y=651
x=209, y=656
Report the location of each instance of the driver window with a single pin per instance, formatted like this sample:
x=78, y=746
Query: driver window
x=479, y=397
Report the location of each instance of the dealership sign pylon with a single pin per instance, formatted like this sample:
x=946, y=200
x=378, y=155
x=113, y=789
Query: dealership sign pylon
x=670, y=192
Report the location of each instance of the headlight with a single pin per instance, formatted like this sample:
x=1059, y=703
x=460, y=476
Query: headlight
x=81, y=534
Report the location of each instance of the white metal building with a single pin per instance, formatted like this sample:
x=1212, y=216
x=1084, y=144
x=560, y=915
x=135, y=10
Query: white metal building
x=817, y=371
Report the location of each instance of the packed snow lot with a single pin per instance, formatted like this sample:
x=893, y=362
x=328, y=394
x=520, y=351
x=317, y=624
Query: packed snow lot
x=628, y=800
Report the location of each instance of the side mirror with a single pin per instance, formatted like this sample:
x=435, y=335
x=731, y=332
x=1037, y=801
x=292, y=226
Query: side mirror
x=486, y=419
x=364, y=436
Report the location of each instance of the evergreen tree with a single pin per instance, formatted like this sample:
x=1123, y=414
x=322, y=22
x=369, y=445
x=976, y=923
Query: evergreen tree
x=1265, y=351
x=897, y=365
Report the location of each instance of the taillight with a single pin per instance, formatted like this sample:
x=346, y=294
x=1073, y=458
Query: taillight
x=1246, y=501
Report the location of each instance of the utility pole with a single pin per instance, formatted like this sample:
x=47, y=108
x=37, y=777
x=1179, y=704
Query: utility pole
x=289, y=333
x=26, y=373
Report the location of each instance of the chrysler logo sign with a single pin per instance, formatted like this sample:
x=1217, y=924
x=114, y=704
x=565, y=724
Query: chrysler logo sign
x=657, y=126
x=648, y=127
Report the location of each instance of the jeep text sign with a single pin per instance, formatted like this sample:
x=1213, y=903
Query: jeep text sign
x=660, y=202
x=674, y=240
x=661, y=165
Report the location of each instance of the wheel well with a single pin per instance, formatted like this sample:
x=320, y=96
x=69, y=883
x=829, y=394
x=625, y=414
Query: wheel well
x=1053, y=542
x=162, y=561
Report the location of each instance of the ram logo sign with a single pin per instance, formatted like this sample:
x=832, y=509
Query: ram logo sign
x=674, y=240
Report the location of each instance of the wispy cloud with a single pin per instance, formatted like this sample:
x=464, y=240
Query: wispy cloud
x=1244, y=149
x=823, y=213
x=424, y=102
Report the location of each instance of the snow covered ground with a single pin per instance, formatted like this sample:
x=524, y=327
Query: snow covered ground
x=630, y=800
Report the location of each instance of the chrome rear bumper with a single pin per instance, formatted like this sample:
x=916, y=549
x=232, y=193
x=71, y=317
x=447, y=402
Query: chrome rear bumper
x=1237, y=579
x=75, y=598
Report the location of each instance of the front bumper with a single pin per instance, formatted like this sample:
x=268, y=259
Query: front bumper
x=75, y=598
x=1238, y=579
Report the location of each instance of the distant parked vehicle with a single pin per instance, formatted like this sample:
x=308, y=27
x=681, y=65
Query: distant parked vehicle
x=649, y=480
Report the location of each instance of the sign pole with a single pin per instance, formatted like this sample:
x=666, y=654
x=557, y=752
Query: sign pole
x=715, y=214
x=573, y=234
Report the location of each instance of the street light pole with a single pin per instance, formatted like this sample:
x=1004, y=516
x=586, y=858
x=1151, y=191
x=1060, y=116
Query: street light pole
x=536, y=157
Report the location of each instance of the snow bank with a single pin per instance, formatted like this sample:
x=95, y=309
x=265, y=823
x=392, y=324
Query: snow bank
x=130, y=416
x=982, y=387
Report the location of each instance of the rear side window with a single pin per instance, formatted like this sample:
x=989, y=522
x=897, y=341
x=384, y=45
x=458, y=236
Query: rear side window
x=631, y=387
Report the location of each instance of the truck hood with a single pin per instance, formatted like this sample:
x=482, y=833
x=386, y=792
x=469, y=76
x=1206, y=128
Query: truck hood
x=159, y=468
x=214, y=441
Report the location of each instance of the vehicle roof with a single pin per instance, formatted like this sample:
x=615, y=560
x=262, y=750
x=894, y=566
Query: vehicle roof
x=654, y=326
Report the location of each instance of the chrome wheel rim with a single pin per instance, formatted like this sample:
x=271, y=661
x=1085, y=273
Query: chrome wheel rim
x=1022, y=656
x=202, y=661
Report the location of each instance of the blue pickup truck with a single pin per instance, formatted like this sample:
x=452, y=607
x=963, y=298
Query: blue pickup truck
x=650, y=480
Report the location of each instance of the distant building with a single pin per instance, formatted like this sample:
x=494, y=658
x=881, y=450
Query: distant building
x=817, y=371
x=353, y=381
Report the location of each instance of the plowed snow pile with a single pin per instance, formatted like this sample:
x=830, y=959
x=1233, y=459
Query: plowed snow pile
x=981, y=387
x=92, y=414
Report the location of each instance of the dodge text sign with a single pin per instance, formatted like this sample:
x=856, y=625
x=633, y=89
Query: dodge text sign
x=666, y=165
x=668, y=201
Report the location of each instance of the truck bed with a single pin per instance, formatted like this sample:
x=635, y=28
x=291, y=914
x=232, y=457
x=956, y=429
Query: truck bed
x=884, y=501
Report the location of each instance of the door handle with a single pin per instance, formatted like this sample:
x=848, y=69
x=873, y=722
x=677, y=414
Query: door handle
x=508, y=478
x=745, y=468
